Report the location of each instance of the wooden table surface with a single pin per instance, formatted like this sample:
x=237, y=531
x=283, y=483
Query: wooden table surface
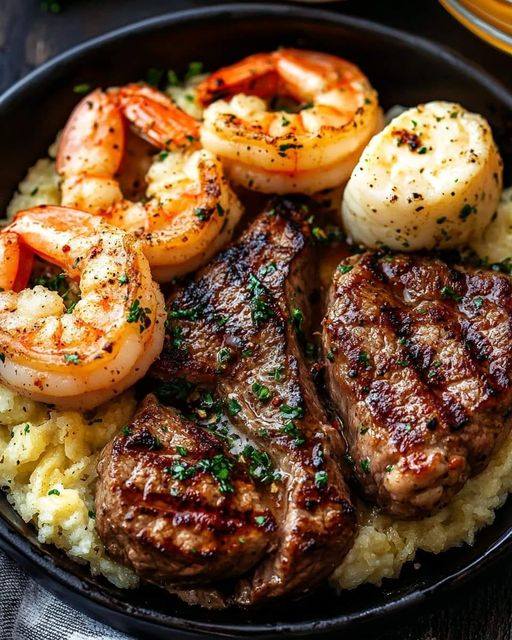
x=29, y=35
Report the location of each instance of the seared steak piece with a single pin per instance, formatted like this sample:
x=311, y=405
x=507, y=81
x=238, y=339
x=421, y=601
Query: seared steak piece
x=171, y=502
x=237, y=326
x=419, y=359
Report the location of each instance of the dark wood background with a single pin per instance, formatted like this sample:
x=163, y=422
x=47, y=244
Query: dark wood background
x=31, y=31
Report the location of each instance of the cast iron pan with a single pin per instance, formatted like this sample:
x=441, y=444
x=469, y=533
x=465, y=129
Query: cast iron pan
x=405, y=69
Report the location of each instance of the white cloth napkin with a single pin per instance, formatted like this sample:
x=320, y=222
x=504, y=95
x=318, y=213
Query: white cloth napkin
x=29, y=612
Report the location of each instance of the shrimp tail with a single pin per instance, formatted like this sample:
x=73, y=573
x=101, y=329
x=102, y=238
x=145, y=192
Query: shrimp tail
x=16, y=260
x=156, y=118
x=255, y=75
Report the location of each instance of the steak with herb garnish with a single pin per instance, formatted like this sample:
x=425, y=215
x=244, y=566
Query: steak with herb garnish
x=173, y=505
x=419, y=365
x=238, y=327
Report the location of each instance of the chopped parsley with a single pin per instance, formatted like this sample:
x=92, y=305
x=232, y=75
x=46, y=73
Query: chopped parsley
x=291, y=412
x=267, y=268
x=319, y=234
x=139, y=314
x=260, y=309
x=291, y=429
x=345, y=268
x=202, y=214
x=182, y=451
x=363, y=358
x=365, y=465
x=234, y=406
x=81, y=88
x=177, y=339
x=194, y=69
x=219, y=466
x=449, y=292
x=260, y=520
x=261, y=392
x=181, y=471
x=321, y=479
x=277, y=373
x=194, y=313
x=72, y=358
x=174, y=390
x=260, y=465
x=224, y=355
x=283, y=148
x=58, y=283
x=154, y=76
x=54, y=492
x=172, y=78
x=297, y=319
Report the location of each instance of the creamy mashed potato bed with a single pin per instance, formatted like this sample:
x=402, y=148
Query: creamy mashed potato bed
x=185, y=96
x=40, y=186
x=495, y=244
x=48, y=468
x=385, y=544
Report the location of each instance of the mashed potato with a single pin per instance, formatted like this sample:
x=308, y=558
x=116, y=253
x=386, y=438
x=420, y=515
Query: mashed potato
x=48, y=463
x=48, y=468
x=41, y=186
x=185, y=96
x=385, y=544
x=495, y=244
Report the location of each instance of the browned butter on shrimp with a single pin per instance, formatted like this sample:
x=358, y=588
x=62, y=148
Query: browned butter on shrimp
x=80, y=357
x=283, y=152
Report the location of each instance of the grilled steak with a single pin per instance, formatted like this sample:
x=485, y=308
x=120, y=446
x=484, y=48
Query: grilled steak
x=152, y=520
x=419, y=360
x=238, y=326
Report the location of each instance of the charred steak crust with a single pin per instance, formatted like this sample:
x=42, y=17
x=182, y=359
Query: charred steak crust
x=161, y=509
x=239, y=324
x=418, y=361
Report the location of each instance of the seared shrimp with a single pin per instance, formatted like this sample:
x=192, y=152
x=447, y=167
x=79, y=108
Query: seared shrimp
x=190, y=211
x=282, y=152
x=16, y=262
x=80, y=357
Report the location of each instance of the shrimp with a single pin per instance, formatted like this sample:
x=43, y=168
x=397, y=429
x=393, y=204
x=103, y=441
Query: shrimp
x=82, y=356
x=190, y=211
x=282, y=152
x=16, y=262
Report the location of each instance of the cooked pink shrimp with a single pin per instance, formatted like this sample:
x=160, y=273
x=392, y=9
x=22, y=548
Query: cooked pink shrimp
x=282, y=152
x=16, y=262
x=190, y=211
x=80, y=357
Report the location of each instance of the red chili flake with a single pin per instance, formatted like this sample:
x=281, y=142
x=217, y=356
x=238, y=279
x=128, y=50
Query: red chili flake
x=408, y=137
x=66, y=248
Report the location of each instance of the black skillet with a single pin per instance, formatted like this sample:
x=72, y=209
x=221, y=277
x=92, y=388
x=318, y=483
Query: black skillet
x=405, y=69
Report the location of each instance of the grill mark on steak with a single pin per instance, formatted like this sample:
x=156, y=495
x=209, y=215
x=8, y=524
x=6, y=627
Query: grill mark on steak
x=158, y=523
x=237, y=324
x=432, y=390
